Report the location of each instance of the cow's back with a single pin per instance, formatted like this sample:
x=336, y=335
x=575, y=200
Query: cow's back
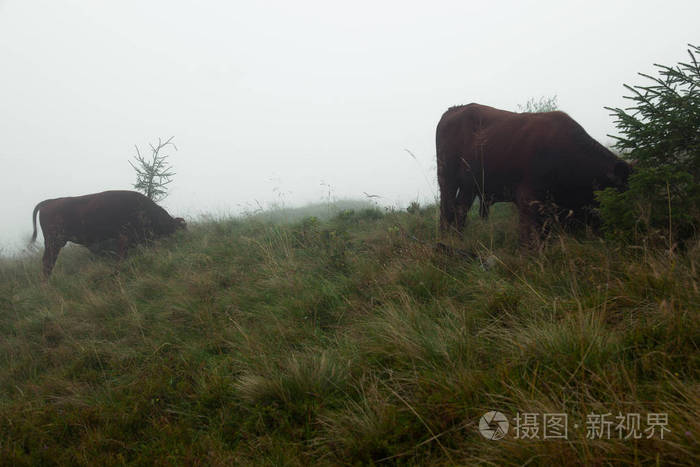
x=129, y=209
x=96, y=217
x=507, y=146
x=502, y=136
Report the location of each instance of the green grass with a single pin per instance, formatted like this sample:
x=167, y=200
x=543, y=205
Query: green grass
x=312, y=340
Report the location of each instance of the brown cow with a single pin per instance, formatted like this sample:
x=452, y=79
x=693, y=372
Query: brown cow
x=121, y=218
x=531, y=159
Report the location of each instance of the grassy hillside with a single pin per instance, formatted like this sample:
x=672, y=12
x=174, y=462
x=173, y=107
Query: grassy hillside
x=346, y=341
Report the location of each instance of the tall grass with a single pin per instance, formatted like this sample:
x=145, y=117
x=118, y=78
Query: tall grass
x=347, y=340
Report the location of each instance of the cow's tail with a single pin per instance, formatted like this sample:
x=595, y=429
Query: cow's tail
x=36, y=209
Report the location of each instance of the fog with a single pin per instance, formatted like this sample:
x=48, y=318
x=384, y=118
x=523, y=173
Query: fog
x=282, y=102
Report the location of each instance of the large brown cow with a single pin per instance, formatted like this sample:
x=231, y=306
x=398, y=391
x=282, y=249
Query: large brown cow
x=121, y=218
x=531, y=159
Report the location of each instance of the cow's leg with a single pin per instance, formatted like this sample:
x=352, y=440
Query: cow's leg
x=463, y=202
x=122, y=246
x=528, y=218
x=484, y=205
x=448, y=183
x=447, y=213
x=447, y=198
x=457, y=189
x=52, y=246
x=455, y=201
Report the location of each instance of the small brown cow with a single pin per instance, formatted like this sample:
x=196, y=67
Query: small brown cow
x=531, y=159
x=121, y=218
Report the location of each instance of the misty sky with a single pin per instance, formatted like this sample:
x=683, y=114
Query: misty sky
x=267, y=100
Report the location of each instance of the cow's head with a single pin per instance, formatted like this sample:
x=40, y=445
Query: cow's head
x=622, y=172
x=617, y=178
x=180, y=223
